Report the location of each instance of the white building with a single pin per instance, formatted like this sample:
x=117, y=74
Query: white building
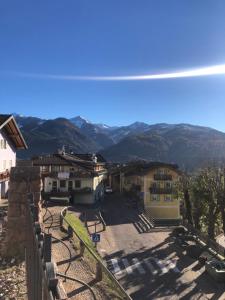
x=11, y=139
x=80, y=177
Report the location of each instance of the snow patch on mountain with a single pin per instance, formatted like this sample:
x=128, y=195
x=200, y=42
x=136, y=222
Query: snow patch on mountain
x=79, y=121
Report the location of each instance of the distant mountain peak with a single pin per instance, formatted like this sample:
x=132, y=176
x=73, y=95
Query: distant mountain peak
x=137, y=125
x=79, y=121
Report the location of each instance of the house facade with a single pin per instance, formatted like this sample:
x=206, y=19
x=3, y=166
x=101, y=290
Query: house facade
x=80, y=177
x=11, y=140
x=155, y=185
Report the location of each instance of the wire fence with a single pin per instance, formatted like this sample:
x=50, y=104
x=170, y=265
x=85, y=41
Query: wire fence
x=95, y=261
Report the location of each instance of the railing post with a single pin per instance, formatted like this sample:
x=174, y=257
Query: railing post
x=62, y=216
x=98, y=271
x=51, y=275
x=82, y=248
x=47, y=247
x=70, y=231
x=104, y=227
x=61, y=222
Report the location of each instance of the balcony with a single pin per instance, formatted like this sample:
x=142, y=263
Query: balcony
x=159, y=190
x=59, y=174
x=163, y=177
x=4, y=176
x=60, y=193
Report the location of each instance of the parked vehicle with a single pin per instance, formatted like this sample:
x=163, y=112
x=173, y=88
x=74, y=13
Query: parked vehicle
x=108, y=190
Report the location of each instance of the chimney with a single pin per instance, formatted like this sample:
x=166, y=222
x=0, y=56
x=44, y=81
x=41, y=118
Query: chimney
x=94, y=158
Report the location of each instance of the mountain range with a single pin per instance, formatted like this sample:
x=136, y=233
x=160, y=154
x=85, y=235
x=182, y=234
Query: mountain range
x=190, y=146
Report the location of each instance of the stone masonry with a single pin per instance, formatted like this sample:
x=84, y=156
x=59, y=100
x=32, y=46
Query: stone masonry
x=23, y=181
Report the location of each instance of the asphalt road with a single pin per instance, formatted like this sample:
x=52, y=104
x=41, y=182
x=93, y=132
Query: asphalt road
x=149, y=265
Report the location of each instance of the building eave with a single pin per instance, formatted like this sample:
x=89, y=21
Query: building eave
x=13, y=132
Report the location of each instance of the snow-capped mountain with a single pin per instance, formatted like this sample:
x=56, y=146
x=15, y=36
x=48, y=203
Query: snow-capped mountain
x=79, y=121
x=188, y=145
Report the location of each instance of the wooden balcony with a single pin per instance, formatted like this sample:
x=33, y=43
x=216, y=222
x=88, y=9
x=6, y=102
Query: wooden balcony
x=163, y=177
x=4, y=176
x=58, y=193
x=55, y=174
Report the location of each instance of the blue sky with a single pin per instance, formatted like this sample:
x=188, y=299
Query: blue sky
x=110, y=38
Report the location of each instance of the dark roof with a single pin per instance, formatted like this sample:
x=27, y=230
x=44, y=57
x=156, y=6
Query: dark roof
x=51, y=159
x=89, y=157
x=143, y=168
x=9, y=125
x=64, y=160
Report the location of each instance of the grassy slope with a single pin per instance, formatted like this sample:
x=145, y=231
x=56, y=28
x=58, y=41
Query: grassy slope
x=82, y=232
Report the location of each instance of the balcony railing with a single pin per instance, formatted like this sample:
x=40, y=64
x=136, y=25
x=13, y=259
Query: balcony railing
x=55, y=174
x=4, y=176
x=162, y=177
x=158, y=190
x=58, y=193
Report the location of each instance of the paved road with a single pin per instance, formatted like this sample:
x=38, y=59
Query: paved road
x=149, y=265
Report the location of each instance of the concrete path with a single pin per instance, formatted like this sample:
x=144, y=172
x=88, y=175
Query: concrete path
x=149, y=265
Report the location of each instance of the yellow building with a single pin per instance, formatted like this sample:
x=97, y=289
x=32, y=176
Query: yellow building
x=156, y=185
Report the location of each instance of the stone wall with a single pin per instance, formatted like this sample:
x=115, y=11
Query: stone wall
x=23, y=181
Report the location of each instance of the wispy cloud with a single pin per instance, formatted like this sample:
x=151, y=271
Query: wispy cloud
x=197, y=72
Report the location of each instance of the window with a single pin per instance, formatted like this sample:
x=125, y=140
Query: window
x=10, y=164
x=127, y=181
x=70, y=185
x=55, y=168
x=168, y=184
x=62, y=183
x=54, y=186
x=77, y=184
x=155, y=197
x=168, y=198
x=156, y=185
x=160, y=171
x=2, y=144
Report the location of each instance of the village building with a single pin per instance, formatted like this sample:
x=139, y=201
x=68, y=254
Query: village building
x=154, y=185
x=77, y=177
x=11, y=140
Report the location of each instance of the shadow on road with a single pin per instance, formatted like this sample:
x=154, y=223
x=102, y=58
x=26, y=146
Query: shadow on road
x=146, y=285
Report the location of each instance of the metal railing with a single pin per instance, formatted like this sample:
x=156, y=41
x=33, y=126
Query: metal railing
x=161, y=190
x=42, y=283
x=100, y=267
x=213, y=246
